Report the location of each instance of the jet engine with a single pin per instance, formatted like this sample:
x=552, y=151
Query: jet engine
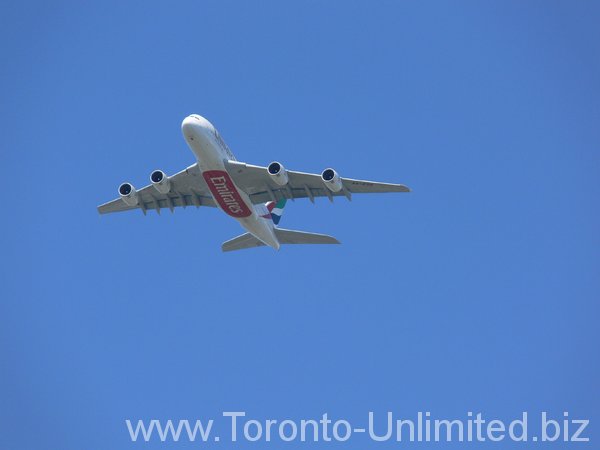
x=128, y=194
x=160, y=181
x=278, y=173
x=332, y=180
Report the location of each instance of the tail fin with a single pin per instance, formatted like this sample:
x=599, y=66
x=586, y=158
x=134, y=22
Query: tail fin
x=276, y=210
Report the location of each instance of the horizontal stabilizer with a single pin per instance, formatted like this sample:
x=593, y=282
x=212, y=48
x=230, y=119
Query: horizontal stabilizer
x=303, y=237
x=247, y=240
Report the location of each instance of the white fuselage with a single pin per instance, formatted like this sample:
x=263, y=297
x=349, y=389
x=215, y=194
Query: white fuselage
x=212, y=152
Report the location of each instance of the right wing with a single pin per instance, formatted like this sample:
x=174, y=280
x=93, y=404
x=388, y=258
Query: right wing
x=257, y=183
x=188, y=188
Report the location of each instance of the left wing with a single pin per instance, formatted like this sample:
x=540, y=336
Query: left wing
x=188, y=188
x=256, y=181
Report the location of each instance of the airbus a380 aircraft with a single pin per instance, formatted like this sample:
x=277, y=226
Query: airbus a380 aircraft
x=253, y=195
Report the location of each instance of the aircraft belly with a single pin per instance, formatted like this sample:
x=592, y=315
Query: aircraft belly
x=232, y=200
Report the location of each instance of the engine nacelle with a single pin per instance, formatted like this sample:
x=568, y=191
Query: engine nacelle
x=332, y=180
x=160, y=181
x=128, y=194
x=278, y=173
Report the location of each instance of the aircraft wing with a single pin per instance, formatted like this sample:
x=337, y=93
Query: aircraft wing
x=257, y=182
x=188, y=188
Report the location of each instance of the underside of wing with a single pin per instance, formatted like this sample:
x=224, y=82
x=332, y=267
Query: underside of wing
x=256, y=181
x=186, y=188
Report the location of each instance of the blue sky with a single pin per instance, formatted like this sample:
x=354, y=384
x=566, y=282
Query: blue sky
x=478, y=291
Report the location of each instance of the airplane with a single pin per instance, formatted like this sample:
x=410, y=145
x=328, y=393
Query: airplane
x=253, y=195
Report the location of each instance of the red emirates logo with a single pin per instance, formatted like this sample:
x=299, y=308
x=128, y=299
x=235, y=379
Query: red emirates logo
x=225, y=193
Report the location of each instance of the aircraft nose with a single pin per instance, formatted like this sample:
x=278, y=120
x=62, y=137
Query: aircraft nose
x=195, y=125
x=187, y=125
x=199, y=121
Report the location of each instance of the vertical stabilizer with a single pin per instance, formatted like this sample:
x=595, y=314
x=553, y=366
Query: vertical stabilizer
x=276, y=210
